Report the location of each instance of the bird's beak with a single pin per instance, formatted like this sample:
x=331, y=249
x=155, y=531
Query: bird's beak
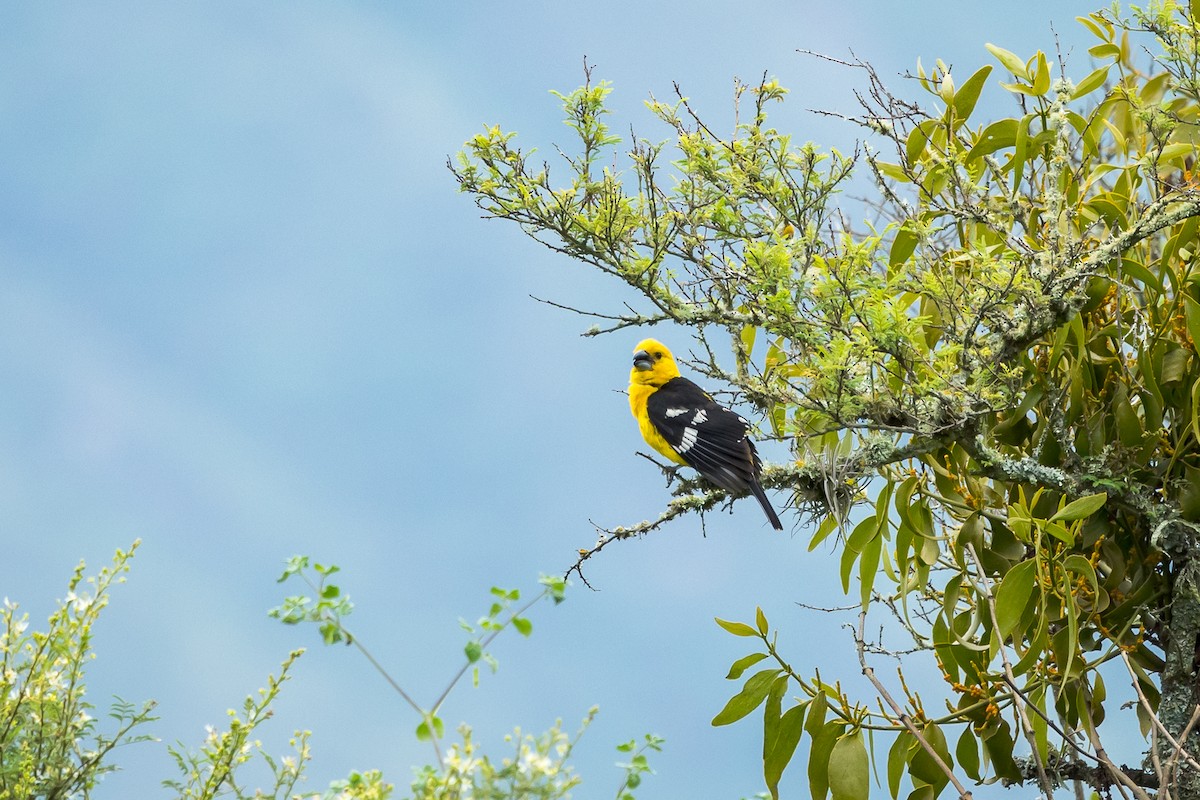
x=642, y=361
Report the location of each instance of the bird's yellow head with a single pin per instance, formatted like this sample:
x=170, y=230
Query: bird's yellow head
x=653, y=364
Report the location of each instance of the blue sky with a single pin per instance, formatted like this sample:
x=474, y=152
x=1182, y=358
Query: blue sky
x=244, y=313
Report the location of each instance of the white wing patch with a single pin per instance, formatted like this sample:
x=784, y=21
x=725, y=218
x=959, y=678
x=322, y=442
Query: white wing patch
x=675, y=412
x=701, y=416
x=689, y=439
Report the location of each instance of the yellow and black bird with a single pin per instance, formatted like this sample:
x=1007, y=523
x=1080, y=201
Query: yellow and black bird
x=680, y=420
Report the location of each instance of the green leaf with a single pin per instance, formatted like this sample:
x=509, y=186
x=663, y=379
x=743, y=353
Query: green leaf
x=968, y=94
x=1189, y=494
x=748, y=335
x=1093, y=81
x=1082, y=508
x=772, y=711
x=749, y=698
x=736, y=628
x=994, y=137
x=897, y=763
x=1013, y=596
x=893, y=171
x=816, y=717
x=1192, y=312
x=744, y=663
x=922, y=765
x=425, y=732
x=1105, y=50
x=1060, y=532
x=1174, y=364
x=818, y=758
x=760, y=620
x=967, y=753
x=918, y=139
x=523, y=626
x=902, y=246
x=293, y=566
x=1020, y=143
x=787, y=736
x=827, y=526
x=1177, y=151
x=1041, y=76
x=474, y=651
x=1011, y=61
x=999, y=746
x=868, y=568
x=849, y=768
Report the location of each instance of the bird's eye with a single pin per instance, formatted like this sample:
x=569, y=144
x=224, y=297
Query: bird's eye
x=658, y=355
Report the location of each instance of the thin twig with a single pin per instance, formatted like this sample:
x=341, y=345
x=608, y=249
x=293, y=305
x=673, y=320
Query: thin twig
x=1018, y=698
x=1180, y=752
x=900, y=713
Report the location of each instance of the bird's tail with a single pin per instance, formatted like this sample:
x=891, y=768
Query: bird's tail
x=761, y=496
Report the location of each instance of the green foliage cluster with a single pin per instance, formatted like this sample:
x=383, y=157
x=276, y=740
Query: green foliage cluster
x=212, y=771
x=50, y=744
x=536, y=769
x=1002, y=380
x=52, y=747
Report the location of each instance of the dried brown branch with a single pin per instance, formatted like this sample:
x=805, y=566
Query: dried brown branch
x=901, y=714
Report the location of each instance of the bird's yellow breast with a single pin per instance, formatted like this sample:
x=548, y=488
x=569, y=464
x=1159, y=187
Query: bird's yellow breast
x=639, y=393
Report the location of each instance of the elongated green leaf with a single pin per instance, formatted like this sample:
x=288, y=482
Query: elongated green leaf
x=827, y=526
x=898, y=757
x=748, y=699
x=736, y=628
x=817, y=707
x=868, y=568
x=1191, y=311
x=923, y=766
x=791, y=726
x=1013, y=595
x=1060, y=532
x=1041, y=75
x=918, y=139
x=994, y=137
x=1082, y=508
x=1189, y=495
x=902, y=246
x=1174, y=364
x=748, y=335
x=999, y=746
x=893, y=171
x=968, y=94
x=1176, y=151
x=1037, y=722
x=1011, y=61
x=818, y=758
x=744, y=663
x=849, y=768
x=1019, y=150
x=1093, y=81
x=772, y=712
x=967, y=753
x=760, y=620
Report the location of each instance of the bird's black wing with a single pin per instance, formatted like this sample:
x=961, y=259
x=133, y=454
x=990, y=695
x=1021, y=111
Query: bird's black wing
x=712, y=439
